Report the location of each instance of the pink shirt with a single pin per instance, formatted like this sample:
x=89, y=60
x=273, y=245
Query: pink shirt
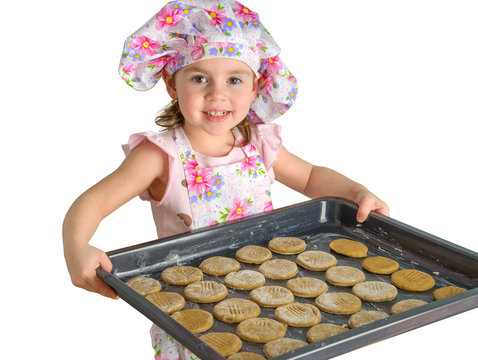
x=172, y=214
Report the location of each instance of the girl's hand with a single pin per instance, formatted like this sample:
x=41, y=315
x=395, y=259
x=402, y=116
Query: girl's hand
x=368, y=202
x=82, y=264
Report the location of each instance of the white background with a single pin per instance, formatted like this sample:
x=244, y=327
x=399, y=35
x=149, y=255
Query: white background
x=388, y=96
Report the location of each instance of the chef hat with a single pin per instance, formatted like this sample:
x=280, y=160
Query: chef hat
x=183, y=32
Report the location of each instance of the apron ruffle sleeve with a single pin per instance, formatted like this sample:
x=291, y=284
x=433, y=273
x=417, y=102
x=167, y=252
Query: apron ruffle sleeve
x=267, y=138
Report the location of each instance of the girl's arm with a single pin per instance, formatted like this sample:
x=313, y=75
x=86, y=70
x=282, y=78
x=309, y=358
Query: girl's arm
x=316, y=181
x=145, y=164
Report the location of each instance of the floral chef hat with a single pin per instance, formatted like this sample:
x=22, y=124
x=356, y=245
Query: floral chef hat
x=183, y=32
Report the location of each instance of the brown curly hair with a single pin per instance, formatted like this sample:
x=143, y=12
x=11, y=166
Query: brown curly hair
x=170, y=117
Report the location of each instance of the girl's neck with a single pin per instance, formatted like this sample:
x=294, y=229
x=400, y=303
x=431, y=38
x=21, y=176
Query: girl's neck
x=210, y=145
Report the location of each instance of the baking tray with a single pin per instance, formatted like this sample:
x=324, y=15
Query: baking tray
x=317, y=222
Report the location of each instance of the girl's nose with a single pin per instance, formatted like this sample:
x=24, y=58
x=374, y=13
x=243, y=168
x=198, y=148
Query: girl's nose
x=216, y=92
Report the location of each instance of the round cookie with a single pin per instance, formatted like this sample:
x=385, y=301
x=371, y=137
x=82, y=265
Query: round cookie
x=224, y=343
x=380, y=265
x=412, y=280
x=195, y=320
x=168, y=302
x=375, y=291
x=306, y=287
x=181, y=275
x=344, y=276
x=244, y=279
x=235, y=310
x=281, y=346
x=261, y=330
x=278, y=269
x=316, y=260
x=323, y=331
x=298, y=314
x=349, y=248
x=253, y=254
x=447, y=291
x=219, y=265
x=144, y=285
x=338, y=303
x=287, y=245
x=205, y=291
x=406, y=305
x=272, y=296
x=246, y=356
x=365, y=317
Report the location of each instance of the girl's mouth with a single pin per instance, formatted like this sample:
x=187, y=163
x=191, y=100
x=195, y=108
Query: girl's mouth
x=217, y=116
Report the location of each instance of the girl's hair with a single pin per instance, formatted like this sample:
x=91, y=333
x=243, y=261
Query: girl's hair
x=170, y=117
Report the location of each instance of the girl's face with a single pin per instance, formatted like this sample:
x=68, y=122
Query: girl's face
x=214, y=94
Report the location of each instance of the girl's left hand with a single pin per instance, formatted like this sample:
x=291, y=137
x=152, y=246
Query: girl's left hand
x=368, y=202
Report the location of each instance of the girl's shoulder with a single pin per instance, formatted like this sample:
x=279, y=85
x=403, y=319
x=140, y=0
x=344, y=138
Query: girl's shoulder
x=163, y=140
x=266, y=138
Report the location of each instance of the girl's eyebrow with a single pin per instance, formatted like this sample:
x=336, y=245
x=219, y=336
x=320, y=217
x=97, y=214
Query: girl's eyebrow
x=192, y=69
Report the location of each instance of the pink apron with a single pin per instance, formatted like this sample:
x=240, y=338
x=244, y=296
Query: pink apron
x=217, y=195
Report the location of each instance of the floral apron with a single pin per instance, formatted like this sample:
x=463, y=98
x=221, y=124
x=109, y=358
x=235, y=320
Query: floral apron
x=217, y=195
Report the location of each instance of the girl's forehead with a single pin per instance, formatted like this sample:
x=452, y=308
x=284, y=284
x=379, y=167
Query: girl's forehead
x=218, y=65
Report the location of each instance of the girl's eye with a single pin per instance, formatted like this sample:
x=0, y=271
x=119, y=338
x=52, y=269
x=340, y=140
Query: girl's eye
x=200, y=79
x=235, y=81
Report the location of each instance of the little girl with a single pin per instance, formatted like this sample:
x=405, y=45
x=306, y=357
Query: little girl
x=220, y=152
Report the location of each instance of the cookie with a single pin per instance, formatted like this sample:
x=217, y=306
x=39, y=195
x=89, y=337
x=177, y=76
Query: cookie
x=375, y=291
x=316, y=260
x=278, y=269
x=281, y=346
x=219, y=265
x=406, y=305
x=298, y=314
x=365, y=317
x=349, y=248
x=246, y=356
x=287, y=245
x=306, y=287
x=447, y=291
x=205, y=291
x=253, y=254
x=344, y=276
x=412, y=280
x=261, y=330
x=224, y=343
x=271, y=296
x=380, y=265
x=144, y=285
x=168, y=302
x=323, y=331
x=338, y=303
x=195, y=320
x=181, y=275
x=235, y=310
x=244, y=279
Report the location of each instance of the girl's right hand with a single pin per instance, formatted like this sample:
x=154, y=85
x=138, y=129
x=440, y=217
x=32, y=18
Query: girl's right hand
x=82, y=264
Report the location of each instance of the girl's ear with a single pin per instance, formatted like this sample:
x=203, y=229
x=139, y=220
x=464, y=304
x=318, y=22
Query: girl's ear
x=169, y=82
x=255, y=86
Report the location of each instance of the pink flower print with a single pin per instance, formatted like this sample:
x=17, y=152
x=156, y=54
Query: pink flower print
x=274, y=63
x=191, y=164
x=249, y=164
x=244, y=13
x=197, y=51
x=145, y=45
x=159, y=62
x=250, y=147
x=217, y=14
x=129, y=68
x=268, y=207
x=240, y=209
x=168, y=17
x=268, y=80
x=200, y=180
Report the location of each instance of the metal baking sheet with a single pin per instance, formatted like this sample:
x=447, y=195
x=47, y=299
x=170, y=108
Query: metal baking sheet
x=317, y=222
